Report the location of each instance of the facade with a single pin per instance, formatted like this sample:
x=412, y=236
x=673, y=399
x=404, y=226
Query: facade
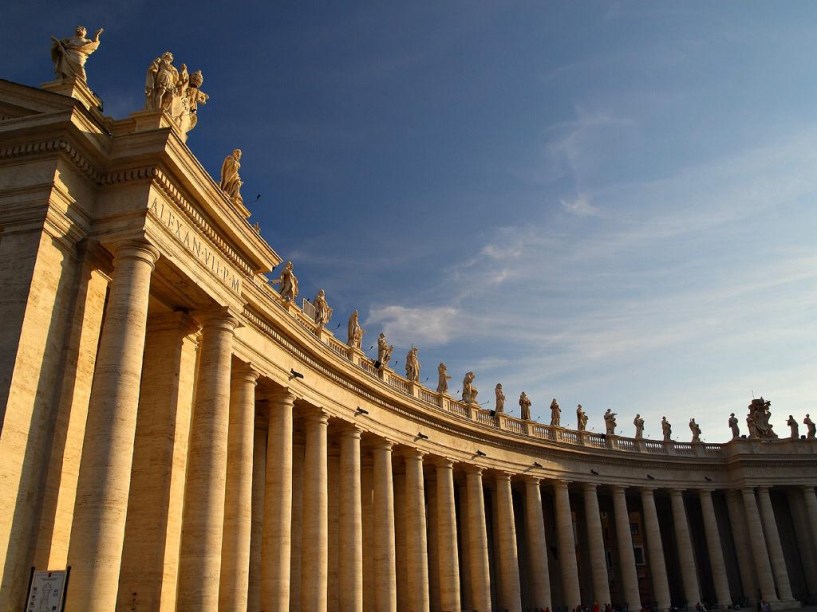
x=185, y=438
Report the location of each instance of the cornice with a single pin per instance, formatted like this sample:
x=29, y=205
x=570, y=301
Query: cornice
x=53, y=145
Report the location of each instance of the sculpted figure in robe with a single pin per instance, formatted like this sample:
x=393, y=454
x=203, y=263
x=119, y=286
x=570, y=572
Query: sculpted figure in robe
x=810, y=427
x=230, y=180
x=500, y=398
x=70, y=54
x=524, y=406
x=384, y=350
x=174, y=91
x=469, y=391
x=695, y=429
x=581, y=418
x=288, y=282
x=442, y=378
x=412, y=365
x=610, y=422
x=733, y=425
x=666, y=429
x=354, y=331
x=323, y=312
x=639, y=426
x=555, y=414
x=795, y=428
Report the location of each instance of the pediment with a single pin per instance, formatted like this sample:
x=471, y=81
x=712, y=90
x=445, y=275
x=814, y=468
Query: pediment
x=18, y=101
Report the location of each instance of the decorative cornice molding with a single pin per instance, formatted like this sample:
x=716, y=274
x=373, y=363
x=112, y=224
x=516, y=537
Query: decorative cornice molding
x=55, y=145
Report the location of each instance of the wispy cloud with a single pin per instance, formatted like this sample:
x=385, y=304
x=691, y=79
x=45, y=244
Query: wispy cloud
x=422, y=325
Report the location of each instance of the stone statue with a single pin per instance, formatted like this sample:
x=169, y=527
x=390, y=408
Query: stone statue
x=500, y=398
x=354, y=331
x=442, y=381
x=412, y=365
x=288, y=282
x=230, y=180
x=610, y=422
x=810, y=427
x=795, y=428
x=639, y=426
x=666, y=429
x=70, y=54
x=695, y=429
x=733, y=425
x=757, y=421
x=322, y=310
x=174, y=91
x=581, y=418
x=555, y=414
x=524, y=405
x=384, y=350
x=469, y=391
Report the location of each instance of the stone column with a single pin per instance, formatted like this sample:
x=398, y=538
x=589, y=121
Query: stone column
x=624, y=536
x=416, y=544
x=737, y=523
x=713, y=547
x=350, y=525
x=567, y=545
x=508, y=554
x=598, y=560
x=464, y=536
x=754, y=533
x=385, y=564
x=781, y=574
x=449, y=565
x=259, y=476
x=315, y=534
x=810, y=499
x=235, y=551
x=478, y=542
x=276, y=542
x=655, y=550
x=95, y=551
x=689, y=574
x=537, y=545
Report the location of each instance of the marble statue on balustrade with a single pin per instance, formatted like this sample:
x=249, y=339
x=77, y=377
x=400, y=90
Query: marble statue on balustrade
x=638, y=421
x=384, y=351
x=174, y=91
x=442, y=378
x=555, y=414
x=288, y=282
x=323, y=312
x=581, y=418
x=695, y=429
x=666, y=429
x=811, y=428
x=610, y=422
x=354, y=331
x=500, y=398
x=795, y=428
x=733, y=425
x=412, y=365
x=469, y=391
x=524, y=406
x=757, y=421
x=230, y=182
x=70, y=54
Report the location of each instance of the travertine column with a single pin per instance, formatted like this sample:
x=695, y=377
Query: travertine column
x=464, y=535
x=598, y=560
x=416, y=544
x=478, y=542
x=713, y=547
x=655, y=550
x=781, y=574
x=537, y=545
x=350, y=523
x=385, y=564
x=508, y=554
x=566, y=544
x=315, y=534
x=754, y=533
x=689, y=574
x=235, y=551
x=737, y=523
x=447, y=537
x=104, y=479
x=277, y=537
x=624, y=536
x=810, y=499
x=259, y=477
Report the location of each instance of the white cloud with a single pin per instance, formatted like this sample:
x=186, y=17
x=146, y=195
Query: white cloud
x=426, y=326
x=581, y=207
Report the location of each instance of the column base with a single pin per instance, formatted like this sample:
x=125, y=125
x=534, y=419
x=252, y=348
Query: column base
x=785, y=604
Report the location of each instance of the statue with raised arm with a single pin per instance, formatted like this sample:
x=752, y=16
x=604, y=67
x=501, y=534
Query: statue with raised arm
x=666, y=429
x=757, y=420
x=733, y=425
x=231, y=182
x=610, y=422
x=70, y=54
x=500, y=398
x=174, y=91
x=581, y=418
x=288, y=282
x=469, y=391
x=412, y=365
x=323, y=312
x=555, y=414
x=442, y=378
x=354, y=331
x=810, y=427
x=695, y=429
x=524, y=406
x=639, y=426
x=384, y=350
x=795, y=428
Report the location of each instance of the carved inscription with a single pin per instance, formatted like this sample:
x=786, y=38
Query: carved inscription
x=195, y=245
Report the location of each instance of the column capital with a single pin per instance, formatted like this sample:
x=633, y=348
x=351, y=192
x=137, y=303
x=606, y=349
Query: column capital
x=560, y=484
x=647, y=490
x=281, y=397
x=618, y=489
x=315, y=415
x=763, y=488
x=382, y=444
x=474, y=470
x=409, y=452
x=444, y=462
x=590, y=486
x=219, y=317
x=173, y=321
x=530, y=479
x=503, y=476
x=245, y=372
x=349, y=431
x=676, y=492
x=138, y=248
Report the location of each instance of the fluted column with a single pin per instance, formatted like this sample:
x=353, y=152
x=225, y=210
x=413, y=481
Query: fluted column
x=385, y=564
x=235, y=551
x=416, y=543
x=567, y=545
x=276, y=546
x=713, y=547
x=781, y=574
x=655, y=550
x=737, y=524
x=537, y=545
x=754, y=533
x=598, y=560
x=508, y=554
x=350, y=523
x=447, y=537
x=624, y=537
x=810, y=499
x=478, y=542
x=97, y=537
x=689, y=574
x=315, y=534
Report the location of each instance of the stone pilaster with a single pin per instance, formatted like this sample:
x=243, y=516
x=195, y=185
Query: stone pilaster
x=689, y=574
x=566, y=544
x=416, y=544
x=315, y=534
x=449, y=567
x=754, y=533
x=624, y=536
x=781, y=574
x=350, y=524
x=655, y=550
x=537, y=544
x=713, y=547
x=598, y=560
x=478, y=542
x=385, y=564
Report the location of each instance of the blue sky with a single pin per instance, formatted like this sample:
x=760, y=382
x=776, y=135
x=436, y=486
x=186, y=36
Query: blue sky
x=609, y=203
